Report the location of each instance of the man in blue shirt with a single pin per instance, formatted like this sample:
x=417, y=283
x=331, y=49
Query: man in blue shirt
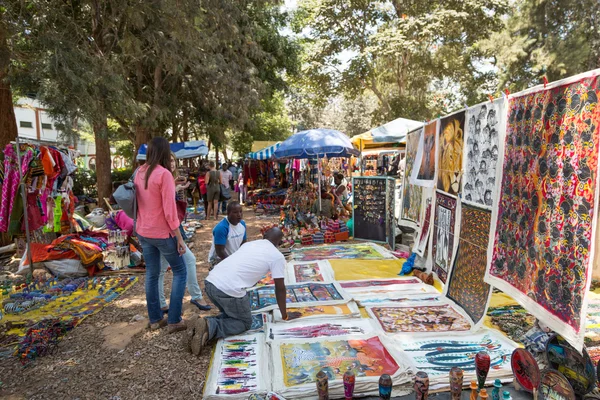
x=228, y=235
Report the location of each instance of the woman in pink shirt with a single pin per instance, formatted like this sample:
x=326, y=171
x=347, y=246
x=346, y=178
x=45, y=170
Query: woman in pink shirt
x=157, y=228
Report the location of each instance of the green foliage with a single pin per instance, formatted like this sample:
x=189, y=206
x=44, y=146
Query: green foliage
x=121, y=174
x=555, y=38
x=84, y=182
x=400, y=51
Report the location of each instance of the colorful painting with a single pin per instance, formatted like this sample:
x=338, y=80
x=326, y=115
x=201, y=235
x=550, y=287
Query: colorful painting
x=367, y=299
x=266, y=280
x=364, y=357
x=308, y=273
x=483, y=135
x=304, y=330
x=425, y=174
x=554, y=386
x=466, y=285
x=239, y=368
x=365, y=251
x=263, y=298
x=451, y=139
x=443, y=234
x=379, y=282
x=543, y=235
x=437, y=356
x=411, y=194
x=421, y=244
x=442, y=318
x=340, y=310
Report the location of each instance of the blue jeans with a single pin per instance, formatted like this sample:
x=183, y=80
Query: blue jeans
x=192, y=279
x=224, y=207
x=153, y=249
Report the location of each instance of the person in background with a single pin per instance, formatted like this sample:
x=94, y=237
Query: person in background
x=188, y=258
x=213, y=191
x=341, y=188
x=157, y=228
x=327, y=206
x=202, y=189
x=226, y=287
x=228, y=235
x=226, y=176
x=234, y=175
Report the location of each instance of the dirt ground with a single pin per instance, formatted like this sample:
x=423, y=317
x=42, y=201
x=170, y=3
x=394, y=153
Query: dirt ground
x=112, y=356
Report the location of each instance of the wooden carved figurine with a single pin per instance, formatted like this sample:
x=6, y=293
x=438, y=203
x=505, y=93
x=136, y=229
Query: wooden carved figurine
x=456, y=382
x=482, y=367
x=497, y=390
x=473, y=388
x=349, y=380
x=483, y=394
x=322, y=385
x=385, y=387
x=421, y=385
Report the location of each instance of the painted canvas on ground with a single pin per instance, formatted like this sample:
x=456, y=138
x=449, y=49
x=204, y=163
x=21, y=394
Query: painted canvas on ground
x=263, y=298
x=411, y=194
x=312, y=271
x=315, y=329
x=438, y=318
x=365, y=357
x=318, y=312
x=239, y=368
x=484, y=134
x=450, y=152
x=371, y=283
x=423, y=238
x=365, y=251
x=437, y=356
x=545, y=218
x=466, y=285
x=397, y=298
x=443, y=234
x=424, y=172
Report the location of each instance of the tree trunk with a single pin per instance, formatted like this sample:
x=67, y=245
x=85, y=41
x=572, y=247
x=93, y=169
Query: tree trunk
x=103, y=179
x=142, y=136
x=184, y=124
x=8, y=122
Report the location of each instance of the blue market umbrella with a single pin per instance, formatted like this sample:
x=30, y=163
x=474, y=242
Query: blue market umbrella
x=316, y=143
x=182, y=150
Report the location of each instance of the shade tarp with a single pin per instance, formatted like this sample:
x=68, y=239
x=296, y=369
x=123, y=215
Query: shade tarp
x=395, y=131
x=182, y=150
x=266, y=153
x=316, y=143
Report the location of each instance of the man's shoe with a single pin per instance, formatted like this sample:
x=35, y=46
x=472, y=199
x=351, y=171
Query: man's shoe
x=178, y=327
x=200, y=306
x=157, y=325
x=200, y=336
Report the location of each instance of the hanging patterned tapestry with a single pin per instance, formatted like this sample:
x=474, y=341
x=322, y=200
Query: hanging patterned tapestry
x=313, y=271
x=466, y=285
x=450, y=153
x=421, y=243
x=545, y=218
x=263, y=298
x=296, y=363
x=438, y=355
x=411, y=194
x=484, y=135
x=441, y=318
x=332, y=327
x=443, y=234
x=365, y=251
x=239, y=368
x=349, y=310
x=424, y=175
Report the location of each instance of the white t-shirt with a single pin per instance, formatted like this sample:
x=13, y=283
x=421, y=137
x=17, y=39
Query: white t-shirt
x=247, y=266
x=228, y=235
x=226, y=176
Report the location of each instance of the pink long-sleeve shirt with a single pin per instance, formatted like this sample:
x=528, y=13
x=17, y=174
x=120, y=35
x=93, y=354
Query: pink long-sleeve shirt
x=157, y=211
